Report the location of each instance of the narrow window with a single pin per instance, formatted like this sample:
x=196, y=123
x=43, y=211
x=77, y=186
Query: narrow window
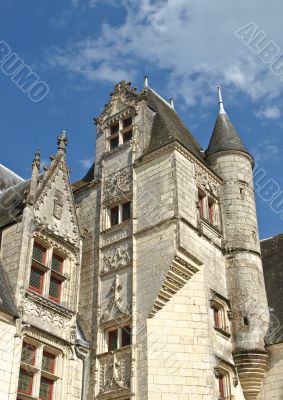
x=46, y=389
x=201, y=204
x=57, y=263
x=211, y=211
x=127, y=122
x=114, y=128
x=25, y=382
x=221, y=382
x=54, y=290
x=126, y=211
x=114, y=215
x=36, y=280
x=126, y=336
x=113, y=340
x=39, y=253
x=217, y=317
x=48, y=362
x=114, y=142
x=28, y=354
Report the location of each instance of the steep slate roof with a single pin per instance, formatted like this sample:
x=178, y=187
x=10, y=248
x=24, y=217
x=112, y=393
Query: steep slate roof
x=12, y=203
x=89, y=177
x=224, y=137
x=8, y=178
x=272, y=259
x=168, y=127
x=6, y=302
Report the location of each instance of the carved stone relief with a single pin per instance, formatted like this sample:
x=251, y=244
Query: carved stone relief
x=115, y=372
x=117, y=186
x=117, y=258
x=117, y=306
x=205, y=182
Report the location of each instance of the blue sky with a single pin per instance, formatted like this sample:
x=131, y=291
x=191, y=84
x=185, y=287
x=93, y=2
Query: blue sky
x=81, y=48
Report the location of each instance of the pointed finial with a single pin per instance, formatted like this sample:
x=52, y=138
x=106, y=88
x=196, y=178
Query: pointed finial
x=62, y=141
x=36, y=161
x=220, y=101
x=145, y=81
x=172, y=103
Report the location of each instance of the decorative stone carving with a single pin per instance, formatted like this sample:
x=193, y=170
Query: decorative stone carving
x=58, y=204
x=115, y=371
x=119, y=257
x=116, y=307
x=205, y=182
x=180, y=271
x=123, y=93
x=117, y=186
x=46, y=311
x=117, y=232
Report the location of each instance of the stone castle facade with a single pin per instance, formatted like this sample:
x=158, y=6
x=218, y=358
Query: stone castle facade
x=143, y=280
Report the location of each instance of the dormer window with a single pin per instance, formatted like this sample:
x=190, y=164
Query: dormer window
x=121, y=131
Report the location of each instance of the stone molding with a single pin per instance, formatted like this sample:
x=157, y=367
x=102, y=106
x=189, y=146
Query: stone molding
x=180, y=271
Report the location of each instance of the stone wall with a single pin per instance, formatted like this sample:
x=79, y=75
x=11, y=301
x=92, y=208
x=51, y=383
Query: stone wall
x=272, y=387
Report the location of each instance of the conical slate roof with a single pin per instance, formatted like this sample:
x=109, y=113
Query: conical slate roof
x=168, y=127
x=224, y=136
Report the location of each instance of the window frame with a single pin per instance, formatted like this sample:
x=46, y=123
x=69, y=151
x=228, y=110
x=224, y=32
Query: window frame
x=120, y=213
x=221, y=314
x=120, y=340
x=121, y=133
x=47, y=272
x=37, y=372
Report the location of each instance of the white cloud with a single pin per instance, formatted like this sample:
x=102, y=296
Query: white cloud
x=265, y=151
x=268, y=112
x=86, y=163
x=193, y=40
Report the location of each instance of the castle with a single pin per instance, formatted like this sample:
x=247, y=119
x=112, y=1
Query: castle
x=144, y=279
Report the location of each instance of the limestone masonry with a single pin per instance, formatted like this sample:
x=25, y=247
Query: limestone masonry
x=143, y=280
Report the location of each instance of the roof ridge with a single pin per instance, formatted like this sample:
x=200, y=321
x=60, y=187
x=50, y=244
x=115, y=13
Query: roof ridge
x=12, y=172
x=13, y=186
x=161, y=98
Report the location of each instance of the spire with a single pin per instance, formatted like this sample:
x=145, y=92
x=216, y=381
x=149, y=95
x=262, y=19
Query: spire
x=36, y=162
x=220, y=101
x=62, y=141
x=34, y=176
x=224, y=136
x=145, y=81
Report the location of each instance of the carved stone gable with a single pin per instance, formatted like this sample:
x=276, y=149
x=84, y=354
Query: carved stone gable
x=123, y=96
x=54, y=208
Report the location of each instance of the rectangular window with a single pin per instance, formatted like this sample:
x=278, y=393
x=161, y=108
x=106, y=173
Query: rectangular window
x=126, y=336
x=39, y=253
x=211, y=211
x=201, y=204
x=28, y=354
x=54, y=290
x=46, y=389
x=113, y=340
x=114, y=142
x=114, y=215
x=57, y=263
x=36, y=280
x=127, y=136
x=127, y=122
x=221, y=382
x=126, y=211
x=25, y=382
x=48, y=362
x=217, y=317
x=114, y=128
